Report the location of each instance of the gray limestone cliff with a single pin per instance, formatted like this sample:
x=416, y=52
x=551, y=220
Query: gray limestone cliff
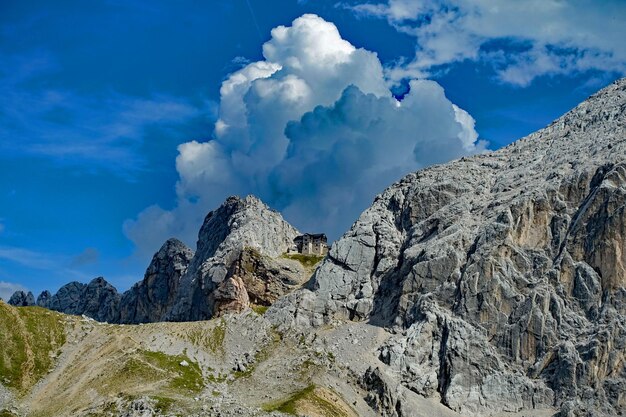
x=43, y=298
x=150, y=299
x=226, y=232
x=65, y=300
x=147, y=301
x=502, y=275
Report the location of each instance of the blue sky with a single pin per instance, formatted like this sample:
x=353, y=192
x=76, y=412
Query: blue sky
x=108, y=108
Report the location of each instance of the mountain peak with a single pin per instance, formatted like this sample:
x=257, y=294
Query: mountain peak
x=239, y=223
x=150, y=299
x=173, y=245
x=22, y=299
x=246, y=222
x=511, y=257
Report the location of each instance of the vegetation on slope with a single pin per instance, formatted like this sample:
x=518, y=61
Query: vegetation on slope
x=259, y=309
x=30, y=338
x=155, y=369
x=307, y=261
x=209, y=338
x=183, y=378
x=314, y=401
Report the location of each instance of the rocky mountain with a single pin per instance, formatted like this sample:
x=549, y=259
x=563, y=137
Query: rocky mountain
x=210, y=284
x=239, y=250
x=502, y=276
x=493, y=285
x=22, y=299
x=43, y=298
x=98, y=299
x=150, y=299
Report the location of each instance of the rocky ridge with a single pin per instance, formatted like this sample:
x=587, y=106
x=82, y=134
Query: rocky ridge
x=209, y=283
x=150, y=299
x=239, y=250
x=502, y=275
x=98, y=299
x=22, y=299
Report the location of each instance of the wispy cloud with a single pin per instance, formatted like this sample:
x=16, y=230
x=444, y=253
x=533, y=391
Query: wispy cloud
x=564, y=37
x=55, y=263
x=89, y=256
x=106, y=130
x=29, y=258
x=8, y=288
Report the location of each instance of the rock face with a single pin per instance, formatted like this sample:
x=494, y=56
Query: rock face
x=150, y=299
x=503, y=275
x=65, y=300
x=257, y=279
x=265, y=278
x=43, y=298
x=238, y=252
x=22, y=299
x=226, y=232
x=98, y=300
x=230, y=296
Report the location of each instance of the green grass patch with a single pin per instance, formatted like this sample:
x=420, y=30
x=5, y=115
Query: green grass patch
x=6, y=413
x=260, y=310
x=288, y=405
x=30, y=339
x=211, y=339
x=309, y=397
x=308, y=261
x=163, y=404
x=217, y=377
x=218, y=334
x=183, y=378
x=144, y=367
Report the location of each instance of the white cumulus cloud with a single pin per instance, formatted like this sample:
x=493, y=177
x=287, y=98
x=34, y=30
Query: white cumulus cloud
x=521, y=39
x=314, y=131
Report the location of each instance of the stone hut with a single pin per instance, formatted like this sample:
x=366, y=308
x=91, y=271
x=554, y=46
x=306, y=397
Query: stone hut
x=311, y=244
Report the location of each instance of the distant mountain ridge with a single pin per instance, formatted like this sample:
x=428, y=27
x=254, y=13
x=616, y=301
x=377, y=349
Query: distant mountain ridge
x=183, y=285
